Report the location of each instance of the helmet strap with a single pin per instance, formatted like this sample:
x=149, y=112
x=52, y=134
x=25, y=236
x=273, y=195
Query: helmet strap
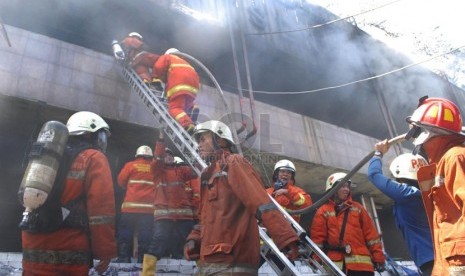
x=216, y=146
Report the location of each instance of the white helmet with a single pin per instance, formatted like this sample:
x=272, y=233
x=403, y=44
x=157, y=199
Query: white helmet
x=406, y=166
x=85, y=121
x=284, y=164
x=178, y=160
x=334, y=178
x=217, y=127
x=171, y=51
x=145, y=151
x=134, y=34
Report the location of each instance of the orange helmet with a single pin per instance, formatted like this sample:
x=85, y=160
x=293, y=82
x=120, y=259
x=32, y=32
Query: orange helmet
x=436, y=116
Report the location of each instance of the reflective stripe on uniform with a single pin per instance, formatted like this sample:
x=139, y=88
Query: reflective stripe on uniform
x=220, y=174
x=140, y=182
x=94, y=220
x=180, y=115
x=300, y=201
x=180, y=66
x=163, y=184
x=329, y=214
x=166, y=212
x=358, y=259
x=76, y=174
x=181, y=87
x=136, y=205
x=372, y=242
x=56, y=257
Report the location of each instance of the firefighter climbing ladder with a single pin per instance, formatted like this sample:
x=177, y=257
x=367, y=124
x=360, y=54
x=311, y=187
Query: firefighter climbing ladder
x=187, y=146
x=180, y=138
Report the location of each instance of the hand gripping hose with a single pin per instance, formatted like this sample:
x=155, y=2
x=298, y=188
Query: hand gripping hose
x=330, y=193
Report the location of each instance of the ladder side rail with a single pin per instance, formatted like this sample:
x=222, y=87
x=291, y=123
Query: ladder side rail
x=268, y=246
x=308, y=243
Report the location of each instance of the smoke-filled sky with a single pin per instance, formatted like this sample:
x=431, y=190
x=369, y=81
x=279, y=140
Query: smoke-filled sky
x=305, y=60
x=420, y=29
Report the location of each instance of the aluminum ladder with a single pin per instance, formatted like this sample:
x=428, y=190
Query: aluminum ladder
x=187, y=147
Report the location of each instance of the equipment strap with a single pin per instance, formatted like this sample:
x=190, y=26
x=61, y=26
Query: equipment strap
x=343, y=227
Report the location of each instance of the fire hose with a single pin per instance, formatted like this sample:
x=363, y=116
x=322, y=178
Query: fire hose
x=355, y=169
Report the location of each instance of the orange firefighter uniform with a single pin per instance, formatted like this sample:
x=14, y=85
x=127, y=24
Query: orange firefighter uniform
x=175, y=211
x=192, y=188
x=173, y=199
x=232, y=198
x=140, y=60
x=441, y=184
x=69, y=251
x=360, y=234
x=294, y=199
x=137, y=208
x=182, y=85
x=137, y=180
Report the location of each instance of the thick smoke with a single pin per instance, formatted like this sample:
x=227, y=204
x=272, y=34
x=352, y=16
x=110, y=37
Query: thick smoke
x=315, y=58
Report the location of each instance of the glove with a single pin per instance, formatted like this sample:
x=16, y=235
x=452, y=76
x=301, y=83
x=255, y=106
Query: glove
x=279, y=184
x=380, y=267
x=280, y=192
x=119, y=55
x=192, y=250
x=102, y=266
x=293, y=252
x=118, y=51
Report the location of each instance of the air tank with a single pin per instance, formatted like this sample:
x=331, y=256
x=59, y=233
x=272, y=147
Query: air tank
x=44, y=160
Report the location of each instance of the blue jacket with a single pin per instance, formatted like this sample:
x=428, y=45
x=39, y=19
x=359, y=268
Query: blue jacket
x=409, y=213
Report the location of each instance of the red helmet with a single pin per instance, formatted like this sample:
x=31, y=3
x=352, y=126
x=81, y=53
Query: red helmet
x=437, y=113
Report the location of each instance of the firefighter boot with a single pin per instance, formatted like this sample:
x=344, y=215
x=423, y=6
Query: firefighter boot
x=149, y=265
x=194, y=113
x=190, y=129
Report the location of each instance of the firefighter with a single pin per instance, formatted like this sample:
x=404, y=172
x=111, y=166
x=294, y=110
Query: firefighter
x=343, y=229
x=175, y=211
x=437, y=129
x=227, y=242
x=139, y=59
x=409, y=212
x=192, y=186
x=285, y=192
x=89, y=189
x=137, y=208
x=181, y=87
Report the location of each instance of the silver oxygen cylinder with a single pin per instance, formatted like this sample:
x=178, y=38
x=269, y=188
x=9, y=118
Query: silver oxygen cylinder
x=41, y=171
